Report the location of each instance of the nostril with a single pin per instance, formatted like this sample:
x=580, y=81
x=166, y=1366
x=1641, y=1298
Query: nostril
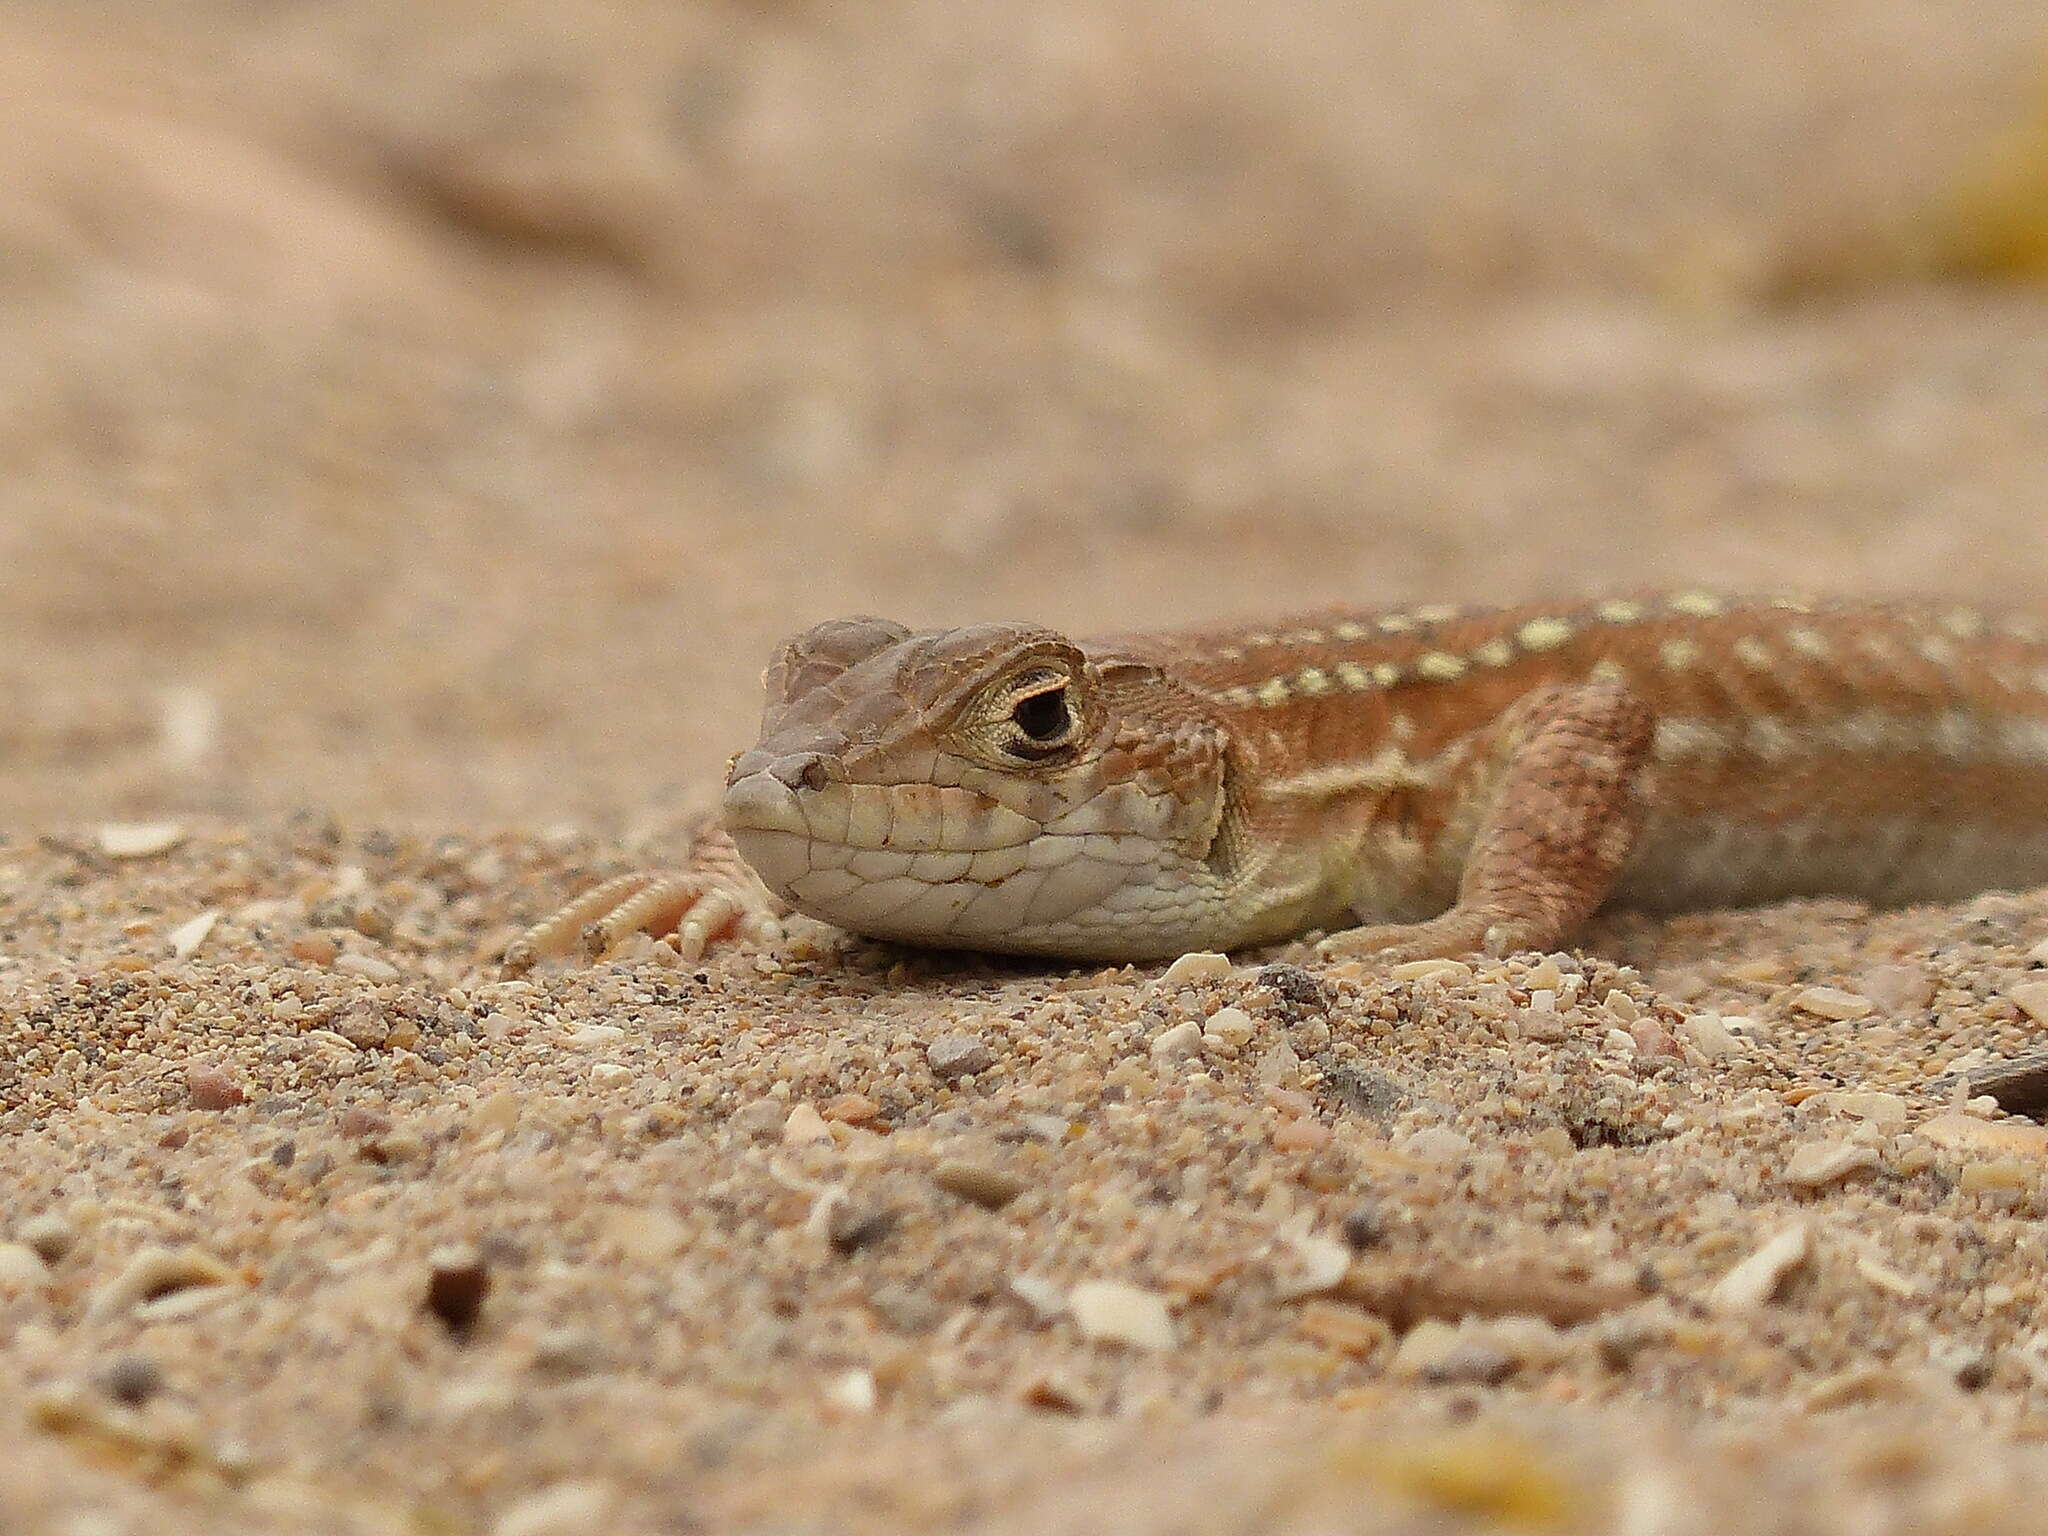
x=802, y=770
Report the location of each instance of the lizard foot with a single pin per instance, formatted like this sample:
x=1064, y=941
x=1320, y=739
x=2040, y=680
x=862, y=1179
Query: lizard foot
x=1459, y=932
x=716, y=898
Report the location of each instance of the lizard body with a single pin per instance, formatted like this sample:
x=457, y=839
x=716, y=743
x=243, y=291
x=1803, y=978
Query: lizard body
x=1456, y=780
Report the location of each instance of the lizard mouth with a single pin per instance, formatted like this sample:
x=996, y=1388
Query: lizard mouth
x=925, y=863
x=872, y=847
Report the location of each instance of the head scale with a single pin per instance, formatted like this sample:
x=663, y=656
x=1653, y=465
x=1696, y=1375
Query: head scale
x=993, y=786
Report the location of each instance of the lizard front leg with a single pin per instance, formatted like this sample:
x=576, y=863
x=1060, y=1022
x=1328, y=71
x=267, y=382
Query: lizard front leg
x=1563, y=821
x=714, y=896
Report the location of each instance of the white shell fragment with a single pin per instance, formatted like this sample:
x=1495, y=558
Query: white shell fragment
x=139, y=839
x=1122, y=1314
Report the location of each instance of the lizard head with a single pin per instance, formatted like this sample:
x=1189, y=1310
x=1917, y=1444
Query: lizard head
x=994, y=787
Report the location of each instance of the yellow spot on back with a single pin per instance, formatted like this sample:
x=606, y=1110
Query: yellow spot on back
x=1441, y=667
x=1349, y=631
x=1936, y=649
x=1771, y=738
x=1754, y=654
x=1260, y=638
x=1312, y=681
x=1808, y=642
x=1436, y=613
x=1303, y=637
x=1386, y=674
x=1678, y=654
x=1545, y=634
x=1963, y=624
x=1792, y=604
x=1608, y=670
x=1353, y=676
x=1396, y=623
x=1620, y=612
x=1679, y=738
x=1273, y=692
x=1698, y=605
x=1494, y=653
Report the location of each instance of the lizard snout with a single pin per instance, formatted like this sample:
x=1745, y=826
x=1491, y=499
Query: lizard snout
x=809, y=768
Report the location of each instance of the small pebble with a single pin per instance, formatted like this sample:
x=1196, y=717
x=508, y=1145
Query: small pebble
x=609, y=1074
x=2032, y=996
x=363, y=1024
x=1436, y=1351
x=852, y=1393
x=958, y=1055
x=990, y=1188
x=1653, y=1042
x=50, y=1235
x=565, y=1509
x=458, y=1280
x=1202, y=965
x=1363, y=1228
x=1231, y=1026
x=1055, y=1392
x=359, y=1121
x=1435, y=1144
x=186, y=938
x=1344, y=1329
x=1833, y=1003
x=155, y=1273
x=139, y=839
x=805, y=1127
x=1967, y=1133
x=1827, y=1162
x=1038, y=1293
x=1710, y=1036
x=567, y=1353
x=1886, y=1110
x=210, y=1087
x=851, y=1226
x=1122, y=1314
x=1897, y=988
x=852, y=1109
x=22, y=1268
x=589, y=1036
x=763, y=1118
x=132, y=1379
x=1442, y=970
x=1178, y=1042
x=1307, y=1264
x=1297, y=986
x=369, y=967
x=1759, y=1277
x=2038, y=955
x=1972, y=1370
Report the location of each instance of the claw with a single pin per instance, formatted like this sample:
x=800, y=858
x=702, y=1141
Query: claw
x=715, y=898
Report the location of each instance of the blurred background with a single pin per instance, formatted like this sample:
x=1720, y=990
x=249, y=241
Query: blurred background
x=437, y=411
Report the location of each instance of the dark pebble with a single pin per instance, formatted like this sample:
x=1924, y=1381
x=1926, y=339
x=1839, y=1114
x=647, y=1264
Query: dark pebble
x=457, y=1283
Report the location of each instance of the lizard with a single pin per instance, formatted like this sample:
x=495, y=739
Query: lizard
x=1429, y=782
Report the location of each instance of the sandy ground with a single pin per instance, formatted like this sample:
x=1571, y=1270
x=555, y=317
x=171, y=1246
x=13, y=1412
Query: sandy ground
x=419, y=423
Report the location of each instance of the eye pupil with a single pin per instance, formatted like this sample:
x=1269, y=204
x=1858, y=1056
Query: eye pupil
x=1043, y=716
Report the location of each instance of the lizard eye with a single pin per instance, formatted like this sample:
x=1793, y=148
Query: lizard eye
x=1042, y=723
x=1043, y=717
